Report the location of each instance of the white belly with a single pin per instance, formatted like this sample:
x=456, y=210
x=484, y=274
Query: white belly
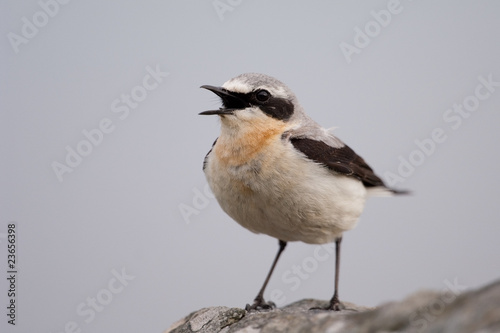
x=284, y=195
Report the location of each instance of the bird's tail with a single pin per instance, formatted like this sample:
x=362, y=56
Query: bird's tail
x=382, y=191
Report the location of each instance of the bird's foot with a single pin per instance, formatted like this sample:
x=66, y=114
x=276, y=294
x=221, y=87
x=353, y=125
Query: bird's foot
x=334, y=305
x=260, y=305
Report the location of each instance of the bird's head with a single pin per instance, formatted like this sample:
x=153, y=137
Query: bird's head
x=250, y=99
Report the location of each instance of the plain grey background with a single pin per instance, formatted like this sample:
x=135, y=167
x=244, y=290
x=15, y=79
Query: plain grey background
x=122, y=209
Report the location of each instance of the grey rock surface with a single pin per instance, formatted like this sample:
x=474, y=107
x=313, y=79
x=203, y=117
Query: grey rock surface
x=424, y=311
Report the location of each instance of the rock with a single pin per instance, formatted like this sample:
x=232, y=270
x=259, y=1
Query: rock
x=423, y=311
x=214, y=319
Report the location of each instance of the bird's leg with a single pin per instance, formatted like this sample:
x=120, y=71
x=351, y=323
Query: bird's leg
x=259, y=303
x=334, y=304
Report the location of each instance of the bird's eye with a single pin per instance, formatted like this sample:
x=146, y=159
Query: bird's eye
x=262, y=95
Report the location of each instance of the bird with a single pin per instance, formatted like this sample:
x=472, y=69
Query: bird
x=275, y=171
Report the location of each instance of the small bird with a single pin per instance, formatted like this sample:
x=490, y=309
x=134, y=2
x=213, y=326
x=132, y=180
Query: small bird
x=275, y=171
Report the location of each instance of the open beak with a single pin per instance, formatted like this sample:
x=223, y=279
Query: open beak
x=219, y=112
x=230, y=101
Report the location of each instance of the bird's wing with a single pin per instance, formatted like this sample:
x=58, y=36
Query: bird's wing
x=206, y=156
x=340, y=159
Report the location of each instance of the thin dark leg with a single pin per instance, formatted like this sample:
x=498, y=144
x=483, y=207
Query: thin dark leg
x=334, y=302
x=259, y=302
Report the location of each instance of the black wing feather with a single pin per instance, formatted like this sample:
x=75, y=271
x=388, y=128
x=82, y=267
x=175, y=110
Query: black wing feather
x=342, y=160
x=206, y=156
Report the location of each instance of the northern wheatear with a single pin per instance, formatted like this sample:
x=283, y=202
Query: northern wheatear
x=275, y=171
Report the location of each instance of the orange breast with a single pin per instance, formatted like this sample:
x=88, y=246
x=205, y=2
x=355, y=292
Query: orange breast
x=246, y=144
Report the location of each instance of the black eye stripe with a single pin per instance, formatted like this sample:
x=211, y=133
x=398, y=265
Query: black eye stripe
x=275, y=107
x=278, y=108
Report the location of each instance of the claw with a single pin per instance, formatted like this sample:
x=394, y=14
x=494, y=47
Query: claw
x=260, y=305
x=334, y=305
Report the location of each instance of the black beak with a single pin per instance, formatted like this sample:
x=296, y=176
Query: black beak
x=230, y=101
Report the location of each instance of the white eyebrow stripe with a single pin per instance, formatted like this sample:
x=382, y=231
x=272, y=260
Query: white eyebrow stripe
x=243, y=88
x=237, y=86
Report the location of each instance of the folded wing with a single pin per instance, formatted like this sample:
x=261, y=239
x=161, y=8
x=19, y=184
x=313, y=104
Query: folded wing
x=342, y=160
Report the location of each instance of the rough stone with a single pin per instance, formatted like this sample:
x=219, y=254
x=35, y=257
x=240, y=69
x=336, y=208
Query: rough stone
x=425, y=311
